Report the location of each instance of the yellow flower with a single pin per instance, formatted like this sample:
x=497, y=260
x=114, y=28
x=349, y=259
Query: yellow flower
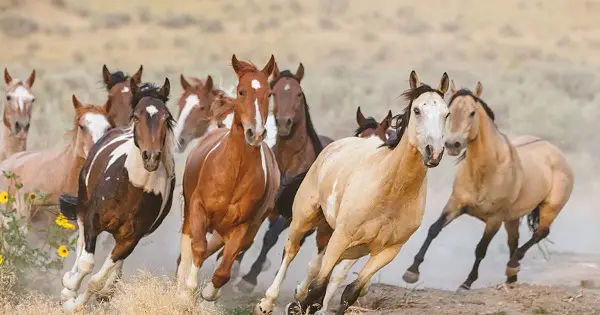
x=32, y=196
x=63, y=251
x=1, y=259
x=3, y=197
x=68, y=225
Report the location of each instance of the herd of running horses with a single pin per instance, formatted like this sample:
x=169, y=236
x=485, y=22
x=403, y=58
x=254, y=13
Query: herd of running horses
x=259, y=157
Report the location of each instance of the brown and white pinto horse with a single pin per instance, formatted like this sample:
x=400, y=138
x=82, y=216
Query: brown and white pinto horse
x=368, y=126
x=118, y=87
x=364, y=198
x=499, y=180
x=296, y=147
x=125, y=188
x=56, y=172
x=16, y=114
x=229, y=184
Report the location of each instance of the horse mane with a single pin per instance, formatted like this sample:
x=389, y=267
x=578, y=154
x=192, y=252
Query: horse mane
x=486, y=108
x=116, y=78
x=370, y=123
x=310, y=128
x=400, y=121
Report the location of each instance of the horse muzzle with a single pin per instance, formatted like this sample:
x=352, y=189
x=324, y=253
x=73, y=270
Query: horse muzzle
x=432, y=157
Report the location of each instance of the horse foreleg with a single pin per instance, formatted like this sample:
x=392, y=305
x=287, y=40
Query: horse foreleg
x=375, y=263
x=512, y=231
x=451, y=211
x=324, y=232
x=276, y=227
x=72, y=279
x=491, y=228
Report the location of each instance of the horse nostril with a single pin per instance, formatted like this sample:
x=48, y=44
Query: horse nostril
x=249, y=133
x=145, y=155
x=26, y=127
x=428, y=150
x=289, y=122
x=157, y=156
x=17, y=127
x=456, y=144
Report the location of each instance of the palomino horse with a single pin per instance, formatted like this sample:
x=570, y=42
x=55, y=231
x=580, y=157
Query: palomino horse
x=229, y=184
x=16, y=114
x=368, y=126
x=364, y=198
x=125, y=188
x=499, y=180
x=296, y=148
x=56, y=172
x=118, y=87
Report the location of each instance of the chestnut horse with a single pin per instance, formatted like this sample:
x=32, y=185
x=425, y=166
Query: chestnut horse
x=296, y=148
x=499, y=181
x=56, y=172
x=364, y=198
x=125, y=188
x=118, y=87
x=16, y=114
x=229, y=184
x=368, y=126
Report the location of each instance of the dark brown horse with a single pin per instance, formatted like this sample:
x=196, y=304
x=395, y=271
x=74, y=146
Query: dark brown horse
x=296, y=147
x=118, y=87
x=368, y=126
x=229, y=184
x=125, y=188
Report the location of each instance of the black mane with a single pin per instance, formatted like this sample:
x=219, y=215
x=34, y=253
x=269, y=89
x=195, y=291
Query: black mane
x=116, y=78
x=370, y=123
x=467, y=92
x=400, y=121
x=153, y=91
x=312, y=133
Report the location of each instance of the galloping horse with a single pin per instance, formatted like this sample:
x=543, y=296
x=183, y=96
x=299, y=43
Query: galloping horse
x=499, y=180
x=56, y=172
x=364, y=197
x=229, y=184
x=16, y=114
x=368, y=126
x=125, y=188
x=296, y=148
x=118, y=86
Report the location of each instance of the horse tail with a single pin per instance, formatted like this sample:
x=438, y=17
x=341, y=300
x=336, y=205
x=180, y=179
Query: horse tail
x=287, y=193
x=68, y=206
x=533, y=219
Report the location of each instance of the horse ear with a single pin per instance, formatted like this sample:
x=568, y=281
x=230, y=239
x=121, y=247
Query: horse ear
x=385, y=123
x=165, y=89
x=31, y=79
x=7, y=77
x=478, y=90
x=360, y=118
x=275, y=72
x=444, y=82
x=106, y=75
x=185, y=85
x=414, y=80
x=76, y=103
x=208, y=85
x=452, y=87
x=299, y=73
x=137, y=76
x=235, y=63
x=268, y=69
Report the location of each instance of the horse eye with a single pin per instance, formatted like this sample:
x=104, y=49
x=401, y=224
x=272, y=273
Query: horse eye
x=8, y=98
x=472, y=114
x=300, y=94
x=33, y=101
x=241, y=93
x=417, y=111
x=271, y=94
x=447, y=115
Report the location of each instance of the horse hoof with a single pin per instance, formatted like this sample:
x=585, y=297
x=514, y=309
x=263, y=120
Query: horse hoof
x=245, y=286
x=67, y=294
x=512, y=271
x=463, y=288
x=293, y=309
x=72, y=305
x=210, y=293
x=410, y=277
x=263, y=308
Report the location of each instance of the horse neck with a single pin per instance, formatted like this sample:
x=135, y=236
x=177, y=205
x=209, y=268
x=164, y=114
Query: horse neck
x=10, y=143
x=292, y=153
x=403, y=171
x=486, y=151
x=236, y=147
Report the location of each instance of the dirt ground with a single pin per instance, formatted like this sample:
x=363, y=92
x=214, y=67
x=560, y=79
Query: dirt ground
x=538, y=62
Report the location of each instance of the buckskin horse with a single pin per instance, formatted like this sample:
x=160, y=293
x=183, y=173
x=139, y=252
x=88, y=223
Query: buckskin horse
x=125, y=188
x=229, y=185
x=498, y=180
x=364, y=198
